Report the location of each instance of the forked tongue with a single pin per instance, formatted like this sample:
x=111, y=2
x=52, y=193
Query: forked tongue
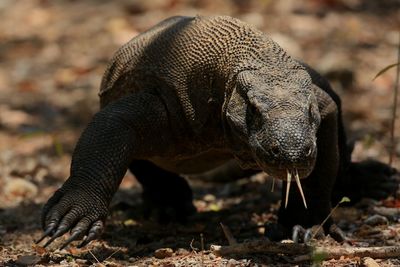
x=273, y=185
x=288, y=182
x=297, y=178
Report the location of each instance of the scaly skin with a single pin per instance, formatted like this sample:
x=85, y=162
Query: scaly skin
x=187, y=96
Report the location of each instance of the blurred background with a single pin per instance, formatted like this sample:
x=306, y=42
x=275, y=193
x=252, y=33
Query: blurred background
x=53, y=54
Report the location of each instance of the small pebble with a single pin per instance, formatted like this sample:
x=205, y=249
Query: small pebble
x=376, y=220
x=387, y=212
x=81, y=261
x=18, y=187
x=163, y=253
x=28, y=260
x=232, y=263
x=181, y=251
x=369, y=262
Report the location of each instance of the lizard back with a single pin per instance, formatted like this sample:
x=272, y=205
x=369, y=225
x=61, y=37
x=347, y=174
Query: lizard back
x=190, y=62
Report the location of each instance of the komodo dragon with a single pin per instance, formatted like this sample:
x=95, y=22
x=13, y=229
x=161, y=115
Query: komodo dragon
x=192, y=93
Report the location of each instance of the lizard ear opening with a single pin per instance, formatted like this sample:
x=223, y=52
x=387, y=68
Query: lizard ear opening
x=236, y=113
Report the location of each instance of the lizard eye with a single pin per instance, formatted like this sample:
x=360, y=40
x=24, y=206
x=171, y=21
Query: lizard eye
x=254, y=117
x=310, y=110
x=252, y=109
x=313, y=114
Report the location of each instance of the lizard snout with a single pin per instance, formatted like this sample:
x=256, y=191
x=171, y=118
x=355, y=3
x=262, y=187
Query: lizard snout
x=293, y=155
x=276, y=158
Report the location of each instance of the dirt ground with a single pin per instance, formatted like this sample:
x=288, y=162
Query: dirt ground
x=52, y=57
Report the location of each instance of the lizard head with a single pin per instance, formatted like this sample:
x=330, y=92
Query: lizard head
x=276, y=118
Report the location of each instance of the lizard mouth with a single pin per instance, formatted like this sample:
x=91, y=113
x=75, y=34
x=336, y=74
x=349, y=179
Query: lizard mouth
x=281, y=171
x=289, y=175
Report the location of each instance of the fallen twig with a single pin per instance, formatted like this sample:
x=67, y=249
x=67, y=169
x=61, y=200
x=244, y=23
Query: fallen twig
x=306, y=252
x=228, y=234
x=262, y=246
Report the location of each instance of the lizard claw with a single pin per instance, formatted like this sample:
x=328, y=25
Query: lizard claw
x=94, y=233
x=76, y=211
x=73, y=237
x=62, y=229
x=299, y=234
x=47, y=232
x=79, y=231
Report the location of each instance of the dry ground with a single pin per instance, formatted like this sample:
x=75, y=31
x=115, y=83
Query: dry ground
x=52, y=56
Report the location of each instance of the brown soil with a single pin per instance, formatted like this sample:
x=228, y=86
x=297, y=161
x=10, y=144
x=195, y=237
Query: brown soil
x=52, y=56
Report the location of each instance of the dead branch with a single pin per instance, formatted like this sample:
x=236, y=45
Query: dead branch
x=228, y=234
x=306, y=252
x=262, y=246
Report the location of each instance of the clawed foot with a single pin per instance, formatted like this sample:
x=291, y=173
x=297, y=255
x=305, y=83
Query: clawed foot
x=302, y=235
x=75, y=211
x=367, y=179
x=166, y=195
x=167, y=207
x=277, y=232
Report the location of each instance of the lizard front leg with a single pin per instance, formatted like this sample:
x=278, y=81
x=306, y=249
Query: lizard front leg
x=117, y=134
x=373, y=179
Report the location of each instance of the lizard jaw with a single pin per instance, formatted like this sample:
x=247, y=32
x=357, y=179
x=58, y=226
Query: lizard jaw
x=289, y=174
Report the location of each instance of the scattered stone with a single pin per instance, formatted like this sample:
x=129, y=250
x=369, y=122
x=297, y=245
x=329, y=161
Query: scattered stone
x=387, y=212
x=81, y=261
x=108, y=264
x=163, y=253
x=28, y=260
x=369, y=262
x=181, y=251
x=232, y=263
x=376, y=220
x=18, y=187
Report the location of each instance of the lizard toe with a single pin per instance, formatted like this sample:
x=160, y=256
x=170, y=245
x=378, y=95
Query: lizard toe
x=73, y=210
x=299, y=234
x=53, y=218
x=61, y=230
x=60, y=221
x=48, y=232
x=302, y=235
x=82, y=228
x=95, y=231
x=49, y=206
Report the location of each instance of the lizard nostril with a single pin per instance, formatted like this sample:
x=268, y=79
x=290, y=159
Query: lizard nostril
x=309, y=150
x=275, y=150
